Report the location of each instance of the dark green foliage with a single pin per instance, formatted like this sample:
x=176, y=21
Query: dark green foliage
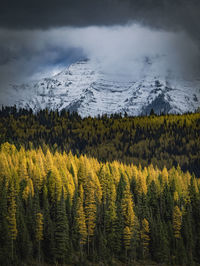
x=52, y=187
x=61, y=234
x=4, y=251
x=166, y=140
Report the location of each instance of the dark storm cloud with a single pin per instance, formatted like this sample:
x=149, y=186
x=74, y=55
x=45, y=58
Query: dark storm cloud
x=38, y=38
x=32, y=54
x=54, y=13
x=26, y=54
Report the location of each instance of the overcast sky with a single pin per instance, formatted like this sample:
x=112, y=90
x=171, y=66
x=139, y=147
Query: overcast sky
x=40, y=38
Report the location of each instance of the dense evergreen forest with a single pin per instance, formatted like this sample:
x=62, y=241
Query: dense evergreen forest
x=165, y=140
x=60, y=209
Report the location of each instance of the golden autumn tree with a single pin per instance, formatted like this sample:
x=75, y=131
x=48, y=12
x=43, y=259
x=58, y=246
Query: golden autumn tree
x=127, y=209
x=4, y=168
x=22, y=170
x=54, y=181
x=127, y=238
x=90, y=212
x=177, y=222
x=104, y=177
x=40, y=168
x=129, y=219
x=82, y=170
x=141, y=183
x=28, y=190
x=48, y=165
x=98, y=204
x=111, y=217
x=164, y=175
x=115, y=171
x=80, y=218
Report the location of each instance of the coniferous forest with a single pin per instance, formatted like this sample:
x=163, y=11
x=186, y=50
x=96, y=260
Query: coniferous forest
x=164, y=141
x=58, y=208
x=99, y=191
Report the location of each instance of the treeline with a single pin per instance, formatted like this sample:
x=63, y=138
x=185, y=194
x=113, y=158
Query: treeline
x=58, y=208
x=166, y=140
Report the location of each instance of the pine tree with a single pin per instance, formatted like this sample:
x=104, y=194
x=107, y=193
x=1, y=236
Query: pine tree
x=177, y=222
x=61, y=231
x=23, y=243
x=11, y=217
x=111, y=220
x=48, y=242
x=188, y=232
x=159, y=220
x=39, y=231
x=127, y=239
x=4, y=251
x=135, y=241
x=145, y=238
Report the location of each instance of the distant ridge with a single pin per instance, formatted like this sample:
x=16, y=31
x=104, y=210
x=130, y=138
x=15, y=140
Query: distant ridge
x=84, y=88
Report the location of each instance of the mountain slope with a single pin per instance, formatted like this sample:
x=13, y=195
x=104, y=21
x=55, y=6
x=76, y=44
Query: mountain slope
x=84, y=87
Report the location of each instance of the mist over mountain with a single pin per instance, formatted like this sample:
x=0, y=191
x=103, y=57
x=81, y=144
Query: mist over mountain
x=85, y=87
x=39, y=40
x=89, y=175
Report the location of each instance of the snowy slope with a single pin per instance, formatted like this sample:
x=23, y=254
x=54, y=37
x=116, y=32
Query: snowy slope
x=86, y=88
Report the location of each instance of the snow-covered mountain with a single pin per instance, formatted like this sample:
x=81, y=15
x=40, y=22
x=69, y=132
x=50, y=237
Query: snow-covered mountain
x=85, y=87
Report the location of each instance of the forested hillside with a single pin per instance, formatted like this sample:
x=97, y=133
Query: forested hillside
x=60, y=208
x=166, y=140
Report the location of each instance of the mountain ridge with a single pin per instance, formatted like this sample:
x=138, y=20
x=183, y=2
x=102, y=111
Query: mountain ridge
x=85, y=88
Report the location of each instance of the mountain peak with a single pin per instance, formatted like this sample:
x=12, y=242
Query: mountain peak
x=86, y=88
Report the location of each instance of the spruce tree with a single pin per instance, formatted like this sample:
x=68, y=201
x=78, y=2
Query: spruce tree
x=145, y=238
x=177, y=222
x=61, y=236
x=39, y=232
x=11, y=217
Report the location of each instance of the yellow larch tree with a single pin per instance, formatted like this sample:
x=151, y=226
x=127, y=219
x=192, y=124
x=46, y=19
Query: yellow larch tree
x=80, y=218
x=54, y=182
x=40, y=161
x=127, y=208
x=164, y=176
x=4, y=168
x=104, y=177
x=48, y=161
x=37, y=177
x=82, y=173
x=23, y=173
x=90, y=211
x=68, y=182
x=141, y=183
x=127, y=238
x=28, y=190
x=177, y=222
x=115, y=171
